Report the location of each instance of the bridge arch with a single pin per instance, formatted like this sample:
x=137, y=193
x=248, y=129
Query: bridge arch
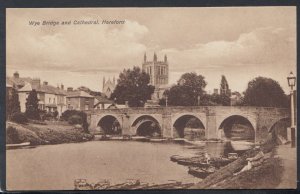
x=146, y=125
x=189, y=126
x=237, y=127
x=110, y=125
x=278, y=129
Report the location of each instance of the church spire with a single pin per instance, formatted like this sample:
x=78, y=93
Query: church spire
x=155, y=57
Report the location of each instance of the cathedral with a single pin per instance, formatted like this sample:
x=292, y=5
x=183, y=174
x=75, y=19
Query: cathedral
x=159, y=74
x=108, y=86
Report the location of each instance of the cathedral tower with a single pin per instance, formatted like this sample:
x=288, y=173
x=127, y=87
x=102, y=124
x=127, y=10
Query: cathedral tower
x=158, y=70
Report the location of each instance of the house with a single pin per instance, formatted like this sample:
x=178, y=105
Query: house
x=102, y=102
x=18, y=82
x=79, y=100
x=50, y=98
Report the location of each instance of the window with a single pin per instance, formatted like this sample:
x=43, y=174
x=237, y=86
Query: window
x=86, y=107
x=54, y=100
x=49, y=100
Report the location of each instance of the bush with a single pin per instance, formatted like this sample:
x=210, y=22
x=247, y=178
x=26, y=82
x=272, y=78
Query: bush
x=12, y=135
x=70, y=113
x=75, y=119
x=19, y=118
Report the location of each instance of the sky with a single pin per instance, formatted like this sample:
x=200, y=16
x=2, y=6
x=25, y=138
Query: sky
x=238, y=42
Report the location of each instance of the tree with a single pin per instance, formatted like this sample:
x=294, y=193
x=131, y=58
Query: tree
x=32, y=106
x=187, y=91
x=266, y=92
x=224, y=87
x=13, y=104
x=133, y=86
x=215, y=100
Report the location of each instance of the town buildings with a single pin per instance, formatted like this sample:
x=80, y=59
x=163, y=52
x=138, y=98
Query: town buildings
x=51, y=98
x=79, y=100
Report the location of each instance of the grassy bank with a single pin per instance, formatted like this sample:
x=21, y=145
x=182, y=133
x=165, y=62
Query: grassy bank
x=267, y=175
x=51, y=133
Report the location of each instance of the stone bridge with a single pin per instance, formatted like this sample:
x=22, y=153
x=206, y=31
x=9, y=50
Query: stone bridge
x=213, y=119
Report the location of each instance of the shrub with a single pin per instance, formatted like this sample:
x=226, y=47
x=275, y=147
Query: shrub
x=55, y=114
x=69, y=113
x=12, y=134
x=19, y=118
x=75, y=119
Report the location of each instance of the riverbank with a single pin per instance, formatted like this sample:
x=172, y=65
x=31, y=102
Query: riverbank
x=43, y=134
x=268, y=175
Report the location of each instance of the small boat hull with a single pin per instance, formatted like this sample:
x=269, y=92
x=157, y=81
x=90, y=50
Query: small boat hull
x=201, y=172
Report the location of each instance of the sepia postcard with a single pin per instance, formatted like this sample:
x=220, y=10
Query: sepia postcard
x=142, y=98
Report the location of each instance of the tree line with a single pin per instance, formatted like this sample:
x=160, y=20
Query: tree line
x=133, y=87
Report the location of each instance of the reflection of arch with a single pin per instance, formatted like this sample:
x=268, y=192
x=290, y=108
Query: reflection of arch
x=146, y=125
x=109, y=124
x=237, y=127
x=191, y=122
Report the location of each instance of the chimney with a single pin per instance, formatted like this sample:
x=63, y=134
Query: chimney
x=45, y=83
x=36, y=83
x=69, y=89
x=62, y=86
x=16, y=75
x=126, y=104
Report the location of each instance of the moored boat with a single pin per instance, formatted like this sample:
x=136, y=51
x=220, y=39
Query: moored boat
x=196, y=143
x=140, y=138
x=201, y=172
x=18, y=145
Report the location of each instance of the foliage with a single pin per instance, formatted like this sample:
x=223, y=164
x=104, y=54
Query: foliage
x=187, y=91
x=69, y=113
x=12, y=133
x=75, y=119
x=55, y=114
x=265, y=92
x=89, y=91
x=133, y=86
x=32, y=110
x=224, y=86
x=19, y=118
x=13, y=104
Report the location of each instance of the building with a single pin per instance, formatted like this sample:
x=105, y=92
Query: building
x=108, y=87
x=79, y=100
x=51, y=98
x=18, y=82
x=101, y=102
x=157, y=70
x=216, y=91
x=159, y=74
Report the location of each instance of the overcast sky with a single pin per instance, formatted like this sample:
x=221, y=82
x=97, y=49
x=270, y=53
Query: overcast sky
x=240, y=43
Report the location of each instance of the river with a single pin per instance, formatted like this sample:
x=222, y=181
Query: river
x=56, y=167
